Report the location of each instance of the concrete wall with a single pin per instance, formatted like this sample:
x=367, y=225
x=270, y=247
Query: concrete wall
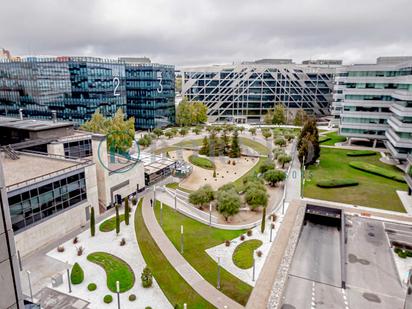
x=135, y=176
x=56, y=149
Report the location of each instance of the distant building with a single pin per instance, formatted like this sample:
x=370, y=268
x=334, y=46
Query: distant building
x=74, y=87
x=323, y=62
x=245, y=92
x=4, y=53
x=374, y=101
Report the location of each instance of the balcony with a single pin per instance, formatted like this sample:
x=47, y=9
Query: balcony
x=360, y=114
x=399, y=126
x=402, y=95
x=400, y=109
x=396, y=141
x=394, y=152
x=374, y=103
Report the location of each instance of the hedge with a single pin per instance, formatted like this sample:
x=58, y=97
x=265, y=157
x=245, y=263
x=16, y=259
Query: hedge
x=92, y=287
x=77, y=274
x=336, y=183
x=324, y=138
x=361, y=153
x=201, y=162
x=376, y=170
x=108, y=299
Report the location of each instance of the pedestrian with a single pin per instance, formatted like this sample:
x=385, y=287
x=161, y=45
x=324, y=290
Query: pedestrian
x=151, y=203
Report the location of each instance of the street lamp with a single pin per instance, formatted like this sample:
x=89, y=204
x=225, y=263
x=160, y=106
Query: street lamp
x=118, y=293
x=218, y=272
x=272, y=226
x=31, y=291
x=161, y=214
x=184, y=306
x=210, y=214
x=154, y=195
x=181, y=239
x=175, y=200
x=254, y=264
x=68, y=276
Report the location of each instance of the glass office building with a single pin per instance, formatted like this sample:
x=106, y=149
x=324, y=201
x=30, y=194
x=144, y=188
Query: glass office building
x=150, y=93
x=75, y=87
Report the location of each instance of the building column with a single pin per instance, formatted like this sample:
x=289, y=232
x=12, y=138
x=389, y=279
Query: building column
x=374, y=143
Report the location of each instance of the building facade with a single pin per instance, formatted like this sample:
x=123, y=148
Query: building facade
x=374, y=101
x=246, y=91
x=74, y=87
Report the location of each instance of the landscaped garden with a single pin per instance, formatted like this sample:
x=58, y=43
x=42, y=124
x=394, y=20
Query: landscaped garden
x=372, y=190
x=197, y=238
x=175, y=288
x=243, y=255
x=110, y=224
x=202, y=162
x=330, y=139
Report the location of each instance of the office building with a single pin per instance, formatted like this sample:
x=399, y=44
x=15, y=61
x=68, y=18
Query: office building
x=244, y=92
x=74, y=87
x=374, y=102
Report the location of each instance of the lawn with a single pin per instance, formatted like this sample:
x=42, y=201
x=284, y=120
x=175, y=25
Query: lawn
x=165, y=150
x=372, y=191
x=334, y=138
x=190, y=143
x=201, y=162
x=175, y=185
x=197, y=238
x=262, y=149
x=253, y=171
x=243, y=254
x=110, y=224
x=116, y=270
x=176, y=289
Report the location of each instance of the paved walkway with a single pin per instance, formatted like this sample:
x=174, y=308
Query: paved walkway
x=192, y=277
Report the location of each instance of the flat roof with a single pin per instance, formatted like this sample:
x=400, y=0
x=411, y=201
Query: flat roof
x=153, y=163
x=31, y=166
x=31, y=124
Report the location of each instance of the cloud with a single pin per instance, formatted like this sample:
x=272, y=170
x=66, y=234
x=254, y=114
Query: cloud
x=184, y=32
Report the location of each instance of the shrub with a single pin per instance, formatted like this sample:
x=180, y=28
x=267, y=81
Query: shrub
x=75, y=240
x=266, y=166
x=242, y=237
x=147, y=277
x=228, y=203
x=77, y=274
x=92, y=223
x=148, y=307
x=361, y=153
x=202, y=196
x=201, y=162
x=123, y=242
x=402, y=254
x=280, y=141
x=408, y=253
x=256, y=196
x=263, y=223
x=259, y=253
x=60, y=249
x=376, y=170
x=249, y=232
x=227, y=243
x=228, y=162
x=234, y=163
x=274, y=176
x=80, y=251
x=108, y=299
x=336, y=183
x=397, y=250
x=92, y=287
x=134, y=201
x=132, y=297
x=214, y=173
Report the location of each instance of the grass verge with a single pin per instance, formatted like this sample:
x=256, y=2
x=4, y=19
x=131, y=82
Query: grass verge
x=176, y=289
x=110, y=224
x=197, y=238
x=377, y=170
x=243, y=255
x=334, y=138
x=116, y=270
x=175, y=185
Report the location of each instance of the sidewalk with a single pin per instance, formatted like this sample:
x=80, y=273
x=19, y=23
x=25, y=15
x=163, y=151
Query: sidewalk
x=192, y=277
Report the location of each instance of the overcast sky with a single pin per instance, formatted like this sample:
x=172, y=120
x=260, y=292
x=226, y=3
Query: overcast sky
x=197, y=32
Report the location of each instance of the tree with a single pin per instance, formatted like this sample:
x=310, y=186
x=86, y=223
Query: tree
x=169, y=134
x=200, y=113
x=119, y=132
x=256, y=196
x=280, y=141
x=117, y=219
x=235, y=148
x=197, y=130
x=252, y=131
x=300, y=117
x=145, y=141
x=190, y=113
x=279, y=114
x=266, y=166
x=202, y=196
x=174, y=131
x=158, y=132
x=274, y=176
x=225, y=143
x=283, y=159
x=228, y=203
x=126, y=211
x=92, y=222
x=183, y=131
x=266, y=133
x=204, y=150
x=262, y=226
x=147, y=277
x=268, y=118
x=308, y=142
x=241, y=129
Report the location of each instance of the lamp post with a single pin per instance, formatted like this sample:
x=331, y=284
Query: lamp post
x=118, y=293
x=218, y=272
x=181, y=239
x=210, y=214
x=68, y=277
x=31, y=291
x=254, y=264
x=154, y=195
x=302, y=181
x=161, y=214
x=184, y=306
x=271, y=229
x=175, y=200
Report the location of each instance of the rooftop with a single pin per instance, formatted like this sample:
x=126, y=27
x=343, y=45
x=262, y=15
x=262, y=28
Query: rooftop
x=31, y=124
x=153, y=163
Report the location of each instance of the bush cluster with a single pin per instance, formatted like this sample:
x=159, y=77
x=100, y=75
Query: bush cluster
x=92, y=287
x=361, y=153
x=108, y=299
x=77, y=274
x=336, y=183
x=376, y=170
x=147, y=277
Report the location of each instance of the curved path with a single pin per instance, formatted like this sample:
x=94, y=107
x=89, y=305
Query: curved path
x=192, y=277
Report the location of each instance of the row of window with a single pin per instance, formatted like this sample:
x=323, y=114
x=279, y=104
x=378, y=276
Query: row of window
x=78, y=149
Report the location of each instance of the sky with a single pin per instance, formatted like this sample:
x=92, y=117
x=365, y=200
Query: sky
x=191, y=33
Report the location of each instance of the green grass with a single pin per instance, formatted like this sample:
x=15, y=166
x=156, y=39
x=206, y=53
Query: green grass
x=323, y=138
x=262, y=149
x=116, y=270
x=110, y=224
x=243, y=255
x=372, y=191
x=337, y=183
x=253, y=171
x=334, y=138
x=175, y=185
x=191, y=143
x=197, y=238
x=201, y=162
x=165, y=149
x=176, y=289
x=361, y=153
x=377, y=170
